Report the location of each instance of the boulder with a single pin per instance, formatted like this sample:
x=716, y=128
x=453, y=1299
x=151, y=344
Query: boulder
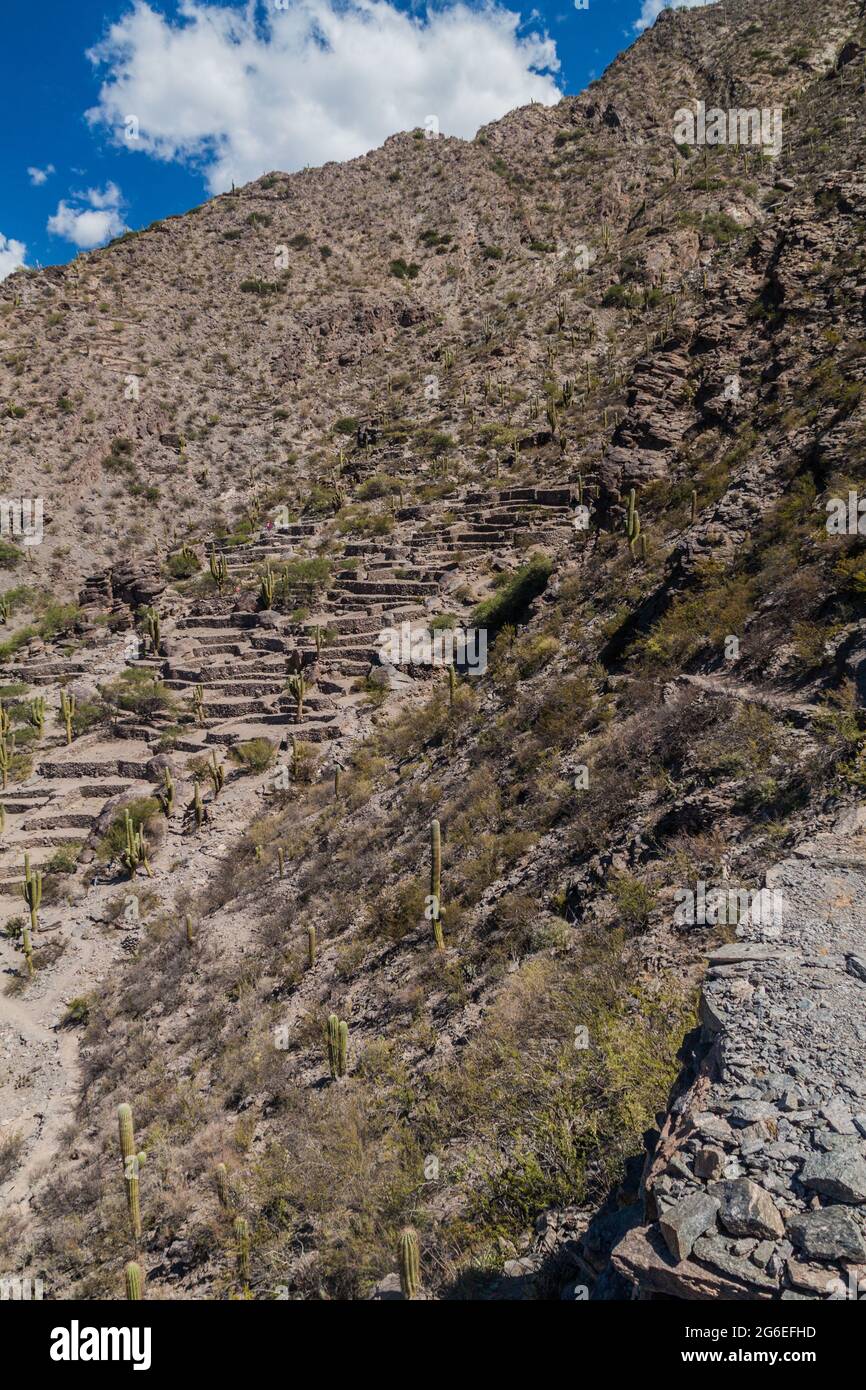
x=831, y=1233
x=747, y=1210
x=841, y=1175
x=684, y=1222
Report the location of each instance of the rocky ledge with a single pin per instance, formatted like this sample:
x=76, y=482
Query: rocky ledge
x=756, y=1186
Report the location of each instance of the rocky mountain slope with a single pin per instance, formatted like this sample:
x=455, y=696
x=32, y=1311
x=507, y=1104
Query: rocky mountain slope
x=418, y=389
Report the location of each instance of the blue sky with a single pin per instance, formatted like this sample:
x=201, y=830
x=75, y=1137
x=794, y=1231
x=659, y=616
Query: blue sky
x=119, y=112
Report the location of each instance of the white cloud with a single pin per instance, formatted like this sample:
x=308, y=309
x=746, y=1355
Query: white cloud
x=651, y=9
x=318, y=80
x=91, y=218
x=39, y=176
x=12, y=255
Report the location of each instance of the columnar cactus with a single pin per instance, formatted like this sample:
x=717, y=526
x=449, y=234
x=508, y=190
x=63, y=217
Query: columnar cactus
x=135, y=850
x=152, y=628
x=198, y=708
x=217, y=775
x=267, y=588
x=319, y=639
x=410, y=1263
x=281, y=860
x=632, y=522
x=297, y=688
x=338, y=1045
x=5, y=720
x=694, y=505
x=31, y=891
x=132, y=1162
x=36, y=714
x=134, y=1277
x=337, y=773
x=242, y=1248
x=6, y=749
x=197, y=805
x=452, y=685
x=67, y=710
x=2, y=818
x=219, y=569
x=190, y=934
x=166, y=793
x=221, y=1182
x=436, y=882
x=567, y=391
x=311, y=946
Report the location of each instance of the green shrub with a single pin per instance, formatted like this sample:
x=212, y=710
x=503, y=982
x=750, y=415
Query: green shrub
x=634, y=900
x=256, y=755
x=509, y=604
x=404, y=271
x=140, y=692
x=10, y=555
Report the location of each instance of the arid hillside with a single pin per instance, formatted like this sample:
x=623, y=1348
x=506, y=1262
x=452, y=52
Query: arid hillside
x=580, y=386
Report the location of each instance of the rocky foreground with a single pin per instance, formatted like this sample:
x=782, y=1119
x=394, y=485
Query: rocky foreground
x=756, y=1185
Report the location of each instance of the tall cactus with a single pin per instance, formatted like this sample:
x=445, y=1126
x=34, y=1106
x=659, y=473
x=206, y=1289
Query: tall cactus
x=197, y=805
x=694, y=505
x=135, y=850
x=219, y=569
x=242, y=1250
x=217, y=775
x=132, y=1162
x=281, y=861
x=190, y=934
x=297, y=688
x=6, y=750
x=36, y=714
x=267, y=588
x=166, y=793
x=152, y=628
x=221, y=1182
x=338, y=1046
x=31, y=891
x=311, y=946
x=5, y=720
x=632, y=521
x=436, y=882
x=67, y=710
x=410, y=1263
x=198, y=707
x=2, y=818
x=134, y=1277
